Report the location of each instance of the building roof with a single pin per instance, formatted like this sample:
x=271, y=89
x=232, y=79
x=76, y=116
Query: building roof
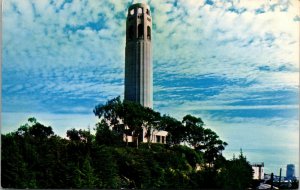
x=161, y=133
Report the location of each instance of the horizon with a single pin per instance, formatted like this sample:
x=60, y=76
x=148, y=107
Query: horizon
x=234, y=64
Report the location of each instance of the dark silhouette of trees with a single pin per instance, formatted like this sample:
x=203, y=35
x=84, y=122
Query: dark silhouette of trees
x=236, y=174
x=106, y=136
x=175, y=128
x=34, y=157
x=127, y=118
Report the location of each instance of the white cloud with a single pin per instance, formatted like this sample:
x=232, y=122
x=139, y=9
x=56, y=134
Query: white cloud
x=191, y=39
x=223, y=34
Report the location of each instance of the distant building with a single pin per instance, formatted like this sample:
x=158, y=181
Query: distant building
x=290, y=172
x=258, y=170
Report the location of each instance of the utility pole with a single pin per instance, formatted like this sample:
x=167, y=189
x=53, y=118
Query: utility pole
x=272, y=178
x=279, y=178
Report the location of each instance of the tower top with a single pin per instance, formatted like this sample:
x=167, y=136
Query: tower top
x=139, y=5
x=134, y=8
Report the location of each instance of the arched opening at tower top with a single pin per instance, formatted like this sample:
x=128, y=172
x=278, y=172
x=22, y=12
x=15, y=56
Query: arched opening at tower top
x=148, y=32
x=131, y=12
x=140, y=11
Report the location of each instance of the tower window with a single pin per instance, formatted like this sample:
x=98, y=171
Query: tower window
x=131, y=32
x=131, y=12
x=148, y=12
x=148, y=32
x=141, y=31
x=140, y=11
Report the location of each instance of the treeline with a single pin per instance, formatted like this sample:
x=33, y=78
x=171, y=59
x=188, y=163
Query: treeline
x=34, y=157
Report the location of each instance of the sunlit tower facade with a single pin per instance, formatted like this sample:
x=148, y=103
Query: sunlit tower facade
x=138, y=55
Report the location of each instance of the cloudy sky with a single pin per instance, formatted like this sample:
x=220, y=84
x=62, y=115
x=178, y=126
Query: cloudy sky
x=234, y=63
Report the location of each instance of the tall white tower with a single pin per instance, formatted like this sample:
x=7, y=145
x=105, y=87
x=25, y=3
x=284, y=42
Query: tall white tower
x=138, y=56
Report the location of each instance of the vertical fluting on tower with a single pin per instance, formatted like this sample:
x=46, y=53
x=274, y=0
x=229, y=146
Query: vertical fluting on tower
x=138, y=55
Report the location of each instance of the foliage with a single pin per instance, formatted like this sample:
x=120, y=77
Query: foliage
x=127, y=118
x=34, y=157
x=237, y=173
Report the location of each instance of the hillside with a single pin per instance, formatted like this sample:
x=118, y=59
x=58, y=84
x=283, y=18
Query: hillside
x=34, y=157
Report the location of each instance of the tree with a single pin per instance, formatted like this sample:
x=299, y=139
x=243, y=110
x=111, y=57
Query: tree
x=40, y=131
x=176, y=131
x=105, y=167
x=237, y=173
x=34, y=129
x=31, y=153
x=112, y=111
x=15, y=173
x=151, y=122
x=134, y=115
x=202, y=139
x=88, y=176
x=111, y=116
x=105, y=136
x=34, y=157
x=127, y=118
x=212, y=146
x=194, y=131
x=80, y=135
x=73, y=135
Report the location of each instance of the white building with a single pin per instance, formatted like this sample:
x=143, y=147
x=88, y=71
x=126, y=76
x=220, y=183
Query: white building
x=258, y=169
x=155, y=137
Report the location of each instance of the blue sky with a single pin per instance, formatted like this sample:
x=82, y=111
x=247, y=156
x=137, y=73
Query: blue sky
x=233, y=63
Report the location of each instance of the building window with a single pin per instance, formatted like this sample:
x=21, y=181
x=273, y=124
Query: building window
x=141, y=31
x=158, y=139
x=131, y=11
x=148, y=32
x=163, y=139
x=148, y=12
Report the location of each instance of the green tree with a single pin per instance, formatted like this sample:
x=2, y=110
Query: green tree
x=15, y=173
x=105, y=136
x=105, y=167
x=212, y=146
x=111, y=115
x=80, y=135
x=237, y=173
x=40, y=131
x=34, y=157
x=89, y=179
x=73, y=135
x=151, y=121
x=127, y=118
x=202, y=139
x=176, y=131
x=134, y=119
x=194, y=131
x=112, y=111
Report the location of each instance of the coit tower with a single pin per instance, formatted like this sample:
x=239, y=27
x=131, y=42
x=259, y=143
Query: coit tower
x=138, y=55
